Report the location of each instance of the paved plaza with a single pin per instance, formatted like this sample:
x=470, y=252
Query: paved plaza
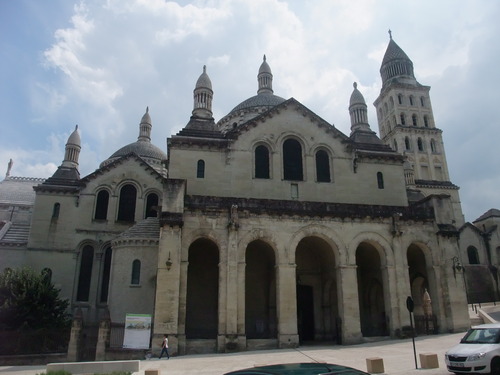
x=397, y=356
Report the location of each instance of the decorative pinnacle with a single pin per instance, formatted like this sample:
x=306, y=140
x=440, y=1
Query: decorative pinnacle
x=390, y=34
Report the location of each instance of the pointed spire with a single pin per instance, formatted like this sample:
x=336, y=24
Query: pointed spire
x=145, y=127
x=265, y=78
x=396, y=64
x=203, y=96
x=9, y=167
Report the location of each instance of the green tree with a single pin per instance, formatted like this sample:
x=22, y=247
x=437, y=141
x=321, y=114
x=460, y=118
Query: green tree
x=30, y=300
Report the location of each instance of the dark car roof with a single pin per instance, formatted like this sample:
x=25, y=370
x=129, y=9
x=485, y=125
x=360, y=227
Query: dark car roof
x=298, y=369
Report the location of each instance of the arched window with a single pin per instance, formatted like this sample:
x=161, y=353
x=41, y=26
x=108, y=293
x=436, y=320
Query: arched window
x=407, y=144
x=106, y=271
x=101, y=205
x=261, y=162
x=391, y=102
x=422, y=101
x=400, y=98
x=420, y=144
x=414, y=120
x=200, y=169
x=403, y=118
x=473, y=255
x=322, y=166
x=136, y=272
x=55, y=210
x=152, y=205
x=85, y=274
x=126, y=208
x=433, y=145
x=426, y=121
x=395, y=145
x=411, y=100
x=292, y=160
x=380, y=180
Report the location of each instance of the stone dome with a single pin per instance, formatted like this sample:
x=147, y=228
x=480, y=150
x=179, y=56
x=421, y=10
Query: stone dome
x=253, y=106
x=356, y=96
x=204, y=80
x=142, y=147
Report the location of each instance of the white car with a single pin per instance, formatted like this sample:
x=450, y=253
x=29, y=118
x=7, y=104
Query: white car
x=478, y=351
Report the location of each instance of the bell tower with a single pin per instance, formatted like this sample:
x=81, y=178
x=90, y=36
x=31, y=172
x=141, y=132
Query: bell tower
x=406, y=123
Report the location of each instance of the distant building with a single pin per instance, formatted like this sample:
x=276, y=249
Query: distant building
x=267, y=228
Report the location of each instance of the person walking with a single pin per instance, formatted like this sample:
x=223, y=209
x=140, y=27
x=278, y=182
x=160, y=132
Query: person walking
x=164, y=347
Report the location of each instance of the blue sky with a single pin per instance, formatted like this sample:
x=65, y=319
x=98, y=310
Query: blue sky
x=99, y=63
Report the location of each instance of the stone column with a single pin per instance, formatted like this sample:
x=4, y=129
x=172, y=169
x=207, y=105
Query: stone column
x=391, y=299
x=402, y=285
x=166, y=317
x=288, y=336
x=241, y=327
x=231, y=288
x=75, y=337
x=103, y=338
x=349, y=305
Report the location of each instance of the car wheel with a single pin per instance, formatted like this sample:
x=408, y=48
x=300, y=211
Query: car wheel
x=495, y=366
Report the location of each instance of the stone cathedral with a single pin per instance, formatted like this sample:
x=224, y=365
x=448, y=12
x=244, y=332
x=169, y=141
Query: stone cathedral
x=267, y=228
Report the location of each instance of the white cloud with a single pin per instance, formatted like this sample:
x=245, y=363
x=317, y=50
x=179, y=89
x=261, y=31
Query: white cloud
x=115, y=58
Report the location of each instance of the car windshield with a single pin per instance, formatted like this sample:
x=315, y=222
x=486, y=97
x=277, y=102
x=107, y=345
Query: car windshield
x=482, y=336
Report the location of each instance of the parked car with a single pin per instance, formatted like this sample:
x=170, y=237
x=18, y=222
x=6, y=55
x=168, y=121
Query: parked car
x=478, y=351
x=299, y=369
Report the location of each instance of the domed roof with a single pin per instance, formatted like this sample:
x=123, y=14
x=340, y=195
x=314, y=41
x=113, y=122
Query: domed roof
x=142, y=149
x=146, y=118
x=260, y=100
x=253, y=106
x=356, y=96
x=74, y=138
x=264, y=67
x=204, y=80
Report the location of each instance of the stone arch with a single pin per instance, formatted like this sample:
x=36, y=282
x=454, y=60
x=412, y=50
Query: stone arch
x=422, y=281
x=327, y=234
x=317, y=289
x=201, y=234
x=257, y=234
x=260, y=291
x=374, y=307
x=380, y=243
x=202, y=291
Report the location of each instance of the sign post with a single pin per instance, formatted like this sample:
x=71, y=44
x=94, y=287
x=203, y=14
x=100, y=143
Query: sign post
x=410, y=306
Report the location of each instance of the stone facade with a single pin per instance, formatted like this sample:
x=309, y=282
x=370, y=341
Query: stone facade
x=267, y=229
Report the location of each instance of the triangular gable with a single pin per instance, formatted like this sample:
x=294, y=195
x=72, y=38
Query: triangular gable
x=116, y=163
x=297, y=106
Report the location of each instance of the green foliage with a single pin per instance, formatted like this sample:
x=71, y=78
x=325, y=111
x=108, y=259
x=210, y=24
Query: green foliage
x=29, y=300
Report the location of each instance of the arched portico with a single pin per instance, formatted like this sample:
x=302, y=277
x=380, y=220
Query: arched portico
x=317, y=295
x=260, y=291
x=372, y=304
x=423, y=290
x=202, y=292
